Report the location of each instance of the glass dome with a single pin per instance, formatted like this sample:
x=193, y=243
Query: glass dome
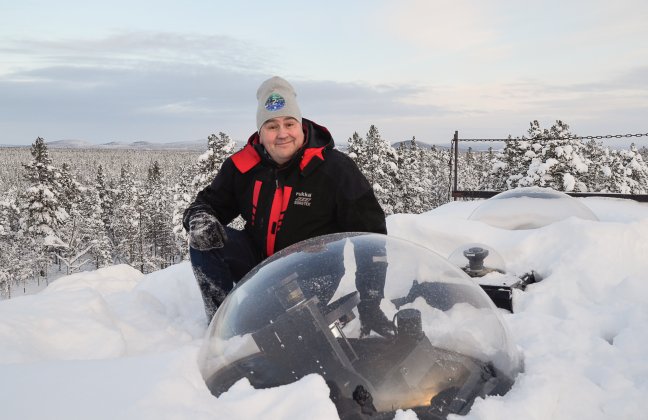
x=529, y=208
x=297, y=313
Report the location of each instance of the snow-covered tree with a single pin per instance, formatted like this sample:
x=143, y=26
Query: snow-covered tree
x=378, y=161
x=72, y=248
x=197, y=177
x=183, y=196
x=42, y=214
x=411, y=190
x=547, y=158
x=628, y=172
x=13, y=261
x=357, y=150
x=83, y=238
x=437, y=171
x=94, y=231
x=209, y=163
x=126, y=226
x=105, y=201
x=69, y=189
x=158, y=230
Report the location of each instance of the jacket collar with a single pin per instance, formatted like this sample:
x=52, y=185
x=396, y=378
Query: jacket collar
x=317, y=141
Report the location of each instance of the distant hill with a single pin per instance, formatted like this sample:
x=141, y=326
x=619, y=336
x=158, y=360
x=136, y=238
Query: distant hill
x=476, y=146
x=201, y=145
x=190, y=145
x=197, y=145
x=420, y=144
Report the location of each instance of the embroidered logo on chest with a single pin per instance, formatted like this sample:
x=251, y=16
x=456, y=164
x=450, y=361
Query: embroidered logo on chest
x=303, y=199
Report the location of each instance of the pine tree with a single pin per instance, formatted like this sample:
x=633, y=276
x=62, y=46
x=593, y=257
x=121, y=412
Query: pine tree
x=126, y=226
x=16, y=256
x=219, y=148
x=158, y=231
x=437, y=171
x=69, y=188
x=74, y=247
x=43, y=214
x=105, y=201
x=94, y=230
x=8, y=257
x=183, y=196
x=381, y=169
x=598, y=171
x=413, y=186
x=547, y=158
x=631, y=171
x=357, y=150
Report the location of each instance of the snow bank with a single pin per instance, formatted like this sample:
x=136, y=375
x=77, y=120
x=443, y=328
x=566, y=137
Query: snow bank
x=116, y=344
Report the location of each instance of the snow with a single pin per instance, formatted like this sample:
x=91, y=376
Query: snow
x=114, y=343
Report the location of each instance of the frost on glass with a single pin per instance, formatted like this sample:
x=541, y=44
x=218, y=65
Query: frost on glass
x=296, y=314
x=529, y=208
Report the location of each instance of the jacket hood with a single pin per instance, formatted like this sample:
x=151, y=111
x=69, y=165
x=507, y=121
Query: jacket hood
x=315, y=135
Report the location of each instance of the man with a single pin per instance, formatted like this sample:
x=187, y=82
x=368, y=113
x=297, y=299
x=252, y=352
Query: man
x=289, y=184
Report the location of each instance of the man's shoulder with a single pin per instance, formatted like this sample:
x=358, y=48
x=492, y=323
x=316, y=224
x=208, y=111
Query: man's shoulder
x=245, y=159
x=337, y=157
x=339, y=165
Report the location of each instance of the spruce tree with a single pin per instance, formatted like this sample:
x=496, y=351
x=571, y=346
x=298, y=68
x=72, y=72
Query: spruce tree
x=381, y=169
x=159, y=230
x=94, y=230
x=126, y=226
x=219, y=148
x=412, y=188
x=42, y=212
x=105, y=201
x=546, y=158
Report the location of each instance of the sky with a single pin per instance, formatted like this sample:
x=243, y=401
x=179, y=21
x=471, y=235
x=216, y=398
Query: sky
x=163, y=71
x=114, y=343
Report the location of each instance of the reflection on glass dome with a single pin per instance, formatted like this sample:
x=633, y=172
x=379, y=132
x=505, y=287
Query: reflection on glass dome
x=529, y=208
x=297, y=314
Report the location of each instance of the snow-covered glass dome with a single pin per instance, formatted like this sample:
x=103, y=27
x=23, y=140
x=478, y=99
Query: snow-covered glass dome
x=529, y=208
x=297, y=314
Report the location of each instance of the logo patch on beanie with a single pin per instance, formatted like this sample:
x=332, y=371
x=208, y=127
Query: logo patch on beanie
x=275, y=102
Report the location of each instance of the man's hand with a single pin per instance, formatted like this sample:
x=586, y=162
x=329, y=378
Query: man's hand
x=372, y=318
x=205, y=232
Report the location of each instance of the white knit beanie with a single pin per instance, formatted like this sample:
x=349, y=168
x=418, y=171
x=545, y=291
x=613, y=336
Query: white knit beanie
x=277, y=98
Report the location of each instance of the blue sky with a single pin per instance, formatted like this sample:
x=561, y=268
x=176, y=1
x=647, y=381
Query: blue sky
x=171, y=71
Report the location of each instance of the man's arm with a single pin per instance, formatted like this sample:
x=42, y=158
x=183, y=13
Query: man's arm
x=217, y=199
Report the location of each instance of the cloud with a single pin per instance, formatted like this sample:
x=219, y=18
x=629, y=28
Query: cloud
x=440, y=26
x=175, y=102
x=173, y=87
x=136, y=49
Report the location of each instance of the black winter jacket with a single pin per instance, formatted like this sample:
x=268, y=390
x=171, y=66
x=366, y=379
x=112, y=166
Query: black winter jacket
x=320, y=191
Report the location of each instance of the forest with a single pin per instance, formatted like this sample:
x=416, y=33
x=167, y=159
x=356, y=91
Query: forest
x=69, y=210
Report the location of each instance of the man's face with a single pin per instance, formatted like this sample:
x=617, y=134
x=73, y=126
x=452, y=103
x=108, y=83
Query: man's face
x=282, y=137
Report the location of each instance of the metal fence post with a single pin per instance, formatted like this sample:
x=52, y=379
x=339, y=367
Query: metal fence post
x=456, y=161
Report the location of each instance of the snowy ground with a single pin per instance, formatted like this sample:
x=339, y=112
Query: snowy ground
x=115, y=344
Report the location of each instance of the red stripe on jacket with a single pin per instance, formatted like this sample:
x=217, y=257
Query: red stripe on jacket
x=279, y=206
